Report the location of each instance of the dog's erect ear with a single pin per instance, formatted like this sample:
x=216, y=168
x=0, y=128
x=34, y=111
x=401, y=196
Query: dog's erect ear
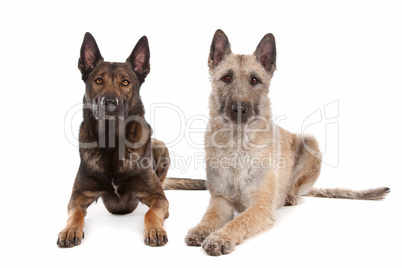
x=220, y=48
x=139, y=59
x=266, y=52
x=89, y=57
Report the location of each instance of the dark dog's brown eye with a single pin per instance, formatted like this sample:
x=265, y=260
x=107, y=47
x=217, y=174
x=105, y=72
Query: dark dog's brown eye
x=227, y=79
x=125, y=83
x=99, y=81
x=254, y=81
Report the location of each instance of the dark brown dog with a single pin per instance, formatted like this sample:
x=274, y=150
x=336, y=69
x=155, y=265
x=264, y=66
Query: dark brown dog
x=119, y=161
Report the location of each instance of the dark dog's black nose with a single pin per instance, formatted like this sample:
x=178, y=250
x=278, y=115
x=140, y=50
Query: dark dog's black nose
x=239, y=109
x=109, y=103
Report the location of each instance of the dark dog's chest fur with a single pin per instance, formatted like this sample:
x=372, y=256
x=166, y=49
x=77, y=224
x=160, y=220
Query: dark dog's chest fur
x=111, y=160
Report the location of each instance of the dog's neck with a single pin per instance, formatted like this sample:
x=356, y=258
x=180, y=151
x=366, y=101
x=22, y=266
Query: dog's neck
x=117, y=135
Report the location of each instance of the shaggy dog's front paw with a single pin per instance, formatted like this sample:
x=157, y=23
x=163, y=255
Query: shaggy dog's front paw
x=217, y=244
x=196, y=236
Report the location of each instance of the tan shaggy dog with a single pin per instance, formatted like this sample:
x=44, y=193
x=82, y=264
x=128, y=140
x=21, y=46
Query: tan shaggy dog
x=253, y=166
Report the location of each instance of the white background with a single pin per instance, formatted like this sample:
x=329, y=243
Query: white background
x=344, y=53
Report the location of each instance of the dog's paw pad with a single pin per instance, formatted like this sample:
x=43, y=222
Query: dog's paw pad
x=216, y=245
x=290, y=201
x=70, y=237
x=155, y=237
x=196, y=236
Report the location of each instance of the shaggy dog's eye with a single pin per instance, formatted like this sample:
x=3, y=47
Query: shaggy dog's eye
x=254, y=81
x=126, y=83
x=99, y=81
x=227, y=79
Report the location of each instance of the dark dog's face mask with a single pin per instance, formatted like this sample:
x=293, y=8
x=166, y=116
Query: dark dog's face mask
x=112, y=89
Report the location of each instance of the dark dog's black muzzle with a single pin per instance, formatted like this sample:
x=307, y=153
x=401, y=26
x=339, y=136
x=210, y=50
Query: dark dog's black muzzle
x=109, y=103
x=109, y=106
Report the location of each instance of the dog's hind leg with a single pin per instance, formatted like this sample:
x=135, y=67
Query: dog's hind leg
x=306, y=168
x=160, y=157
x=161, y=162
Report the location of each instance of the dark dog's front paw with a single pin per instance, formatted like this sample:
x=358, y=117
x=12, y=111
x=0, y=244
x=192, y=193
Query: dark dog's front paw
x=70, y=237
x=155, y=237
x=216, y=245
x=196, y=236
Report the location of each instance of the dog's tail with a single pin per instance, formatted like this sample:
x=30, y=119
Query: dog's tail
x=370, y=194
x=184, y=184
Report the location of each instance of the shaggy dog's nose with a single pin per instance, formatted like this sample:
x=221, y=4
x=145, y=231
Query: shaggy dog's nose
x=239, y=109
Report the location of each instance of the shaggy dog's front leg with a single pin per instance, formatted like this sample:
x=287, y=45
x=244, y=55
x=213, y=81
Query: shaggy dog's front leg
x=219, y=212
x=256, y=218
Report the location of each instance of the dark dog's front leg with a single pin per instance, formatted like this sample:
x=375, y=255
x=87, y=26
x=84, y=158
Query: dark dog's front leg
x=77, y=209
x=154, y=233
